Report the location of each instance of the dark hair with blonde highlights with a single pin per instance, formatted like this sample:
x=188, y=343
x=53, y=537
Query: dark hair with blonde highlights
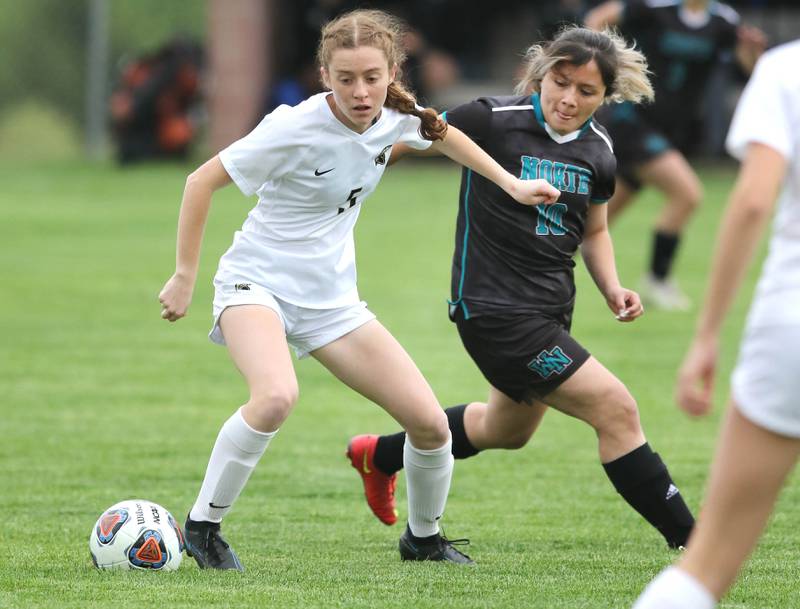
x=622, y=67
x=381, y=31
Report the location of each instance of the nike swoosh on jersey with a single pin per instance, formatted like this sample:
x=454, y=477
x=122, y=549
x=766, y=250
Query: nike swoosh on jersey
x=317, y=172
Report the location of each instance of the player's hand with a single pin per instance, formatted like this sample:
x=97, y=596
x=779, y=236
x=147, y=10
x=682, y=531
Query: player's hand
x=625, y=304
x=752, y=37
x=533, y=192
x=175, y=297
x=694, y=387
x=751, y=43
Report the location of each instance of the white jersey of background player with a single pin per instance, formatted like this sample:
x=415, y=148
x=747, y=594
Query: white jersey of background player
x=760, y=440
x=290, y=277
x=769, y=113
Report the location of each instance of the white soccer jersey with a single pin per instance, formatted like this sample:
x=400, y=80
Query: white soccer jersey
x=311, y=174
x=769, y=113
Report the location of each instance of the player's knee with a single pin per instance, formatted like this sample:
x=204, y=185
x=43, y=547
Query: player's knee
x=618, y=414
x=692, y=195
x=272, y=405
x=430, y=430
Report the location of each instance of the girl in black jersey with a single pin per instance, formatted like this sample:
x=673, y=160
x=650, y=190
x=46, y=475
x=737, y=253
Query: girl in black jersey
x=683, y=41
x=512, y=281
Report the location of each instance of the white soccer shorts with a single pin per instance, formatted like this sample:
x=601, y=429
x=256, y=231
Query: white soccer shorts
x=306, y=329
x=766, y=380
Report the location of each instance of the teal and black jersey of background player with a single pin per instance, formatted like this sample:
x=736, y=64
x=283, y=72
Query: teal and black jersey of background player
x=681, y=53
x=511, y=258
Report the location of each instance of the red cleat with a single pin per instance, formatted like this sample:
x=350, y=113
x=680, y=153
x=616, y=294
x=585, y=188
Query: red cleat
x=378, y=487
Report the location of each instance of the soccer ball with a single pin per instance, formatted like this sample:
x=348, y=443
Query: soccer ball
x=136, y=534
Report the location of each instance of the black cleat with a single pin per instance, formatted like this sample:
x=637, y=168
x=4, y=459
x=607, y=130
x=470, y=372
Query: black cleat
x=205, y=544
x=435, y=547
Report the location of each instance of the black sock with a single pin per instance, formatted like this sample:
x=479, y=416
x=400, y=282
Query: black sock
x=388, y=455
x=389, y=451
x=423, y=540
x=664, y=247
x=644, y=482
x=462, y=447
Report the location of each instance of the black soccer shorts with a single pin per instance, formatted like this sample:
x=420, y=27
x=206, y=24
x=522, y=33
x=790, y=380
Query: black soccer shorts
x=635, y=141
x=524, y=355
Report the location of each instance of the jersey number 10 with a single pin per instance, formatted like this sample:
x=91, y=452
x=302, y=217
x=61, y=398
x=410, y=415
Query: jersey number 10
x=550, y=220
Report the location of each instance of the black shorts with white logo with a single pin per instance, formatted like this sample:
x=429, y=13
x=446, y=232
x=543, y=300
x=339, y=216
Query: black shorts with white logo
x=524, y=355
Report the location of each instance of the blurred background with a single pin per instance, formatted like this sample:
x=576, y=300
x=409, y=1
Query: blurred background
x=149, y=79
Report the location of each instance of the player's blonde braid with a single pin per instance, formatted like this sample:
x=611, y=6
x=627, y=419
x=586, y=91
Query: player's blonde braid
x=398, y=98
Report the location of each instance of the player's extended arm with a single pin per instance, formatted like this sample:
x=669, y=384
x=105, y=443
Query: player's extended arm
x=401, y=150
x=751, y=43
x=605, y=15
x=463, y=150
x=597, y=251
x=749, y=209
x=201, y=184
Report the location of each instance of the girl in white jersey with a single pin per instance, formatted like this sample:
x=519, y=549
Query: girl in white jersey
x=289, y=276
x=760, y=440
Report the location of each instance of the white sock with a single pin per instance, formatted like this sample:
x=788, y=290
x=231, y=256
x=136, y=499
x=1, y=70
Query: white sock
x=236, y=452
x=675, y=589
x=428, y=474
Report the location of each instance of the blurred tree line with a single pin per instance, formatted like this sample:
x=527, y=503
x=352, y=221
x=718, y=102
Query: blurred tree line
x=43, y=69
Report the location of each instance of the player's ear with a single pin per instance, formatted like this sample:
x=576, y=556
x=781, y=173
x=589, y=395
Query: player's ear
x=326, y=80
x=392, y=73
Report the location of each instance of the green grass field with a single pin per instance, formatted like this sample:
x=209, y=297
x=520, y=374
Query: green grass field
x=103, y=401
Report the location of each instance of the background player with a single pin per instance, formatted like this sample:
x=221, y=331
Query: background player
x=513, y=288
x=683, y=40
x=760, y=439
x=289, y=276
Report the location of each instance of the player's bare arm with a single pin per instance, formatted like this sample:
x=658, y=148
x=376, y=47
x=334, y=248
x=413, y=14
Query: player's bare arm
x=201, y=184
x=597, y=251
x=401, y=150
x=605, y=15
x=745, y=220
x=463, y=150
x=751, y=44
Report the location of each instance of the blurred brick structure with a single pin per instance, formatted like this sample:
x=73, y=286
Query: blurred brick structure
x=239, y=46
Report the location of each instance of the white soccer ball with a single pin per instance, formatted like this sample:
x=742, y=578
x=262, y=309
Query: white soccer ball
x=136, y=534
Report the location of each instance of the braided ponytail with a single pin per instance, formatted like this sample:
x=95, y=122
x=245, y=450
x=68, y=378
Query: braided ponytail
x=398, y=98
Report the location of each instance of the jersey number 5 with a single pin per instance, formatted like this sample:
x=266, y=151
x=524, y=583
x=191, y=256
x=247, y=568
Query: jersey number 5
x=550, y=220
x=351, y=199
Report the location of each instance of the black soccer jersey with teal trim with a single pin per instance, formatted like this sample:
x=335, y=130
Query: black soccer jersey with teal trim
x=681, y=51
x=511, y=257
